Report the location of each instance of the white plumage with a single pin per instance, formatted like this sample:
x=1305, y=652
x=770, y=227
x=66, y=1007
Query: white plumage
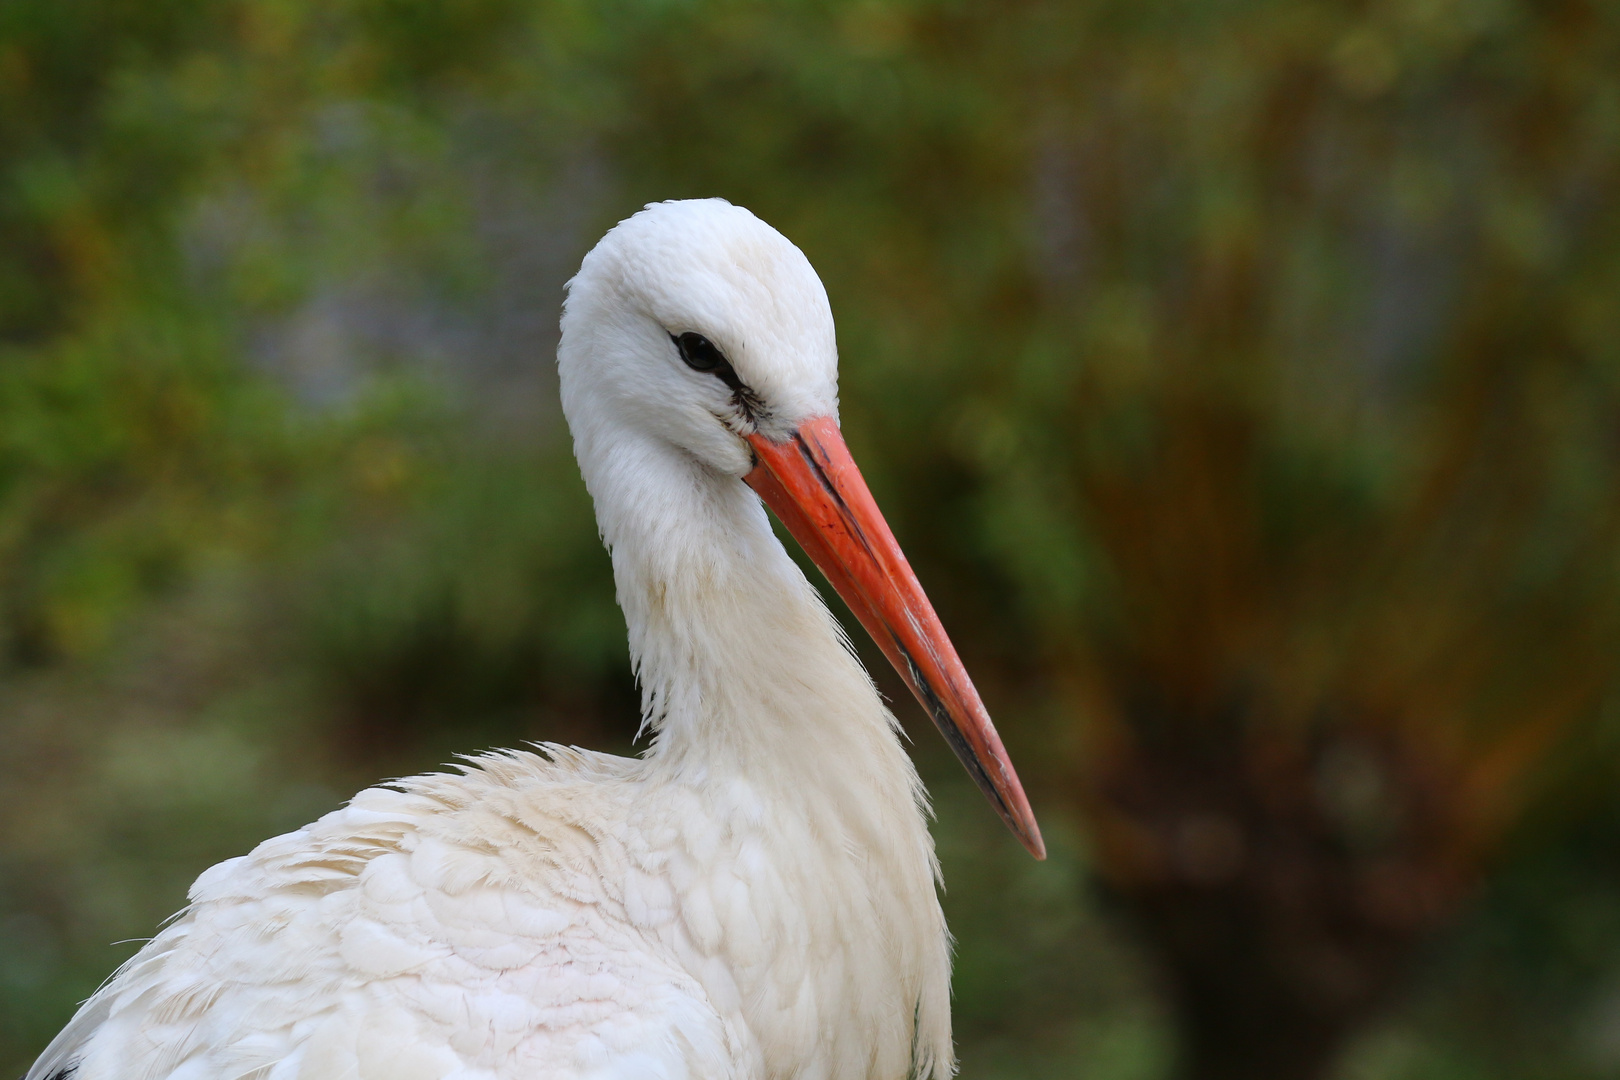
x=753, y=898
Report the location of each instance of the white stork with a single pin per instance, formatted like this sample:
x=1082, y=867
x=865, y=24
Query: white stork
x=755, y=897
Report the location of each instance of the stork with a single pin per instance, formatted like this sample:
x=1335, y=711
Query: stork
x=752, y=898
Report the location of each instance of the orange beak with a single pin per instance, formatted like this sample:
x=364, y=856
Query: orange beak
x=812, y=484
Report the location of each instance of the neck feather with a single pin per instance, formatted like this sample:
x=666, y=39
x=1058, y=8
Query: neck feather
x=746, y=675
x=735, y=652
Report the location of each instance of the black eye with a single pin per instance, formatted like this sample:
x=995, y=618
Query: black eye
x=699, y=353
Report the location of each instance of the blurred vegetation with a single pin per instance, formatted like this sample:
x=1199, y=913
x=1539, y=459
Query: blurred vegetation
x=1241, y=377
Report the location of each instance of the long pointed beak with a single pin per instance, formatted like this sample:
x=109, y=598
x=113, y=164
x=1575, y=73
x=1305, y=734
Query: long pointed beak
x=812, y=484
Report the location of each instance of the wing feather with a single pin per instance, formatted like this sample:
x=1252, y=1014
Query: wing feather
x=415, y=935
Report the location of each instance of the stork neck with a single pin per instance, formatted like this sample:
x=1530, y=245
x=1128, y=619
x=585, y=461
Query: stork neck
x=757, y=703
x=738, y=659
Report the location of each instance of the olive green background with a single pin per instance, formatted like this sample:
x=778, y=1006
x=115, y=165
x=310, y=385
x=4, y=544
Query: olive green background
x=287, y=506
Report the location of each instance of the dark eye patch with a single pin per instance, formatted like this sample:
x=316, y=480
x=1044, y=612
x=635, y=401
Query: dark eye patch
x=700, y=354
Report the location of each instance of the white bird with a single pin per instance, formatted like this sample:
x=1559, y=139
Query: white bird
x=755, y=896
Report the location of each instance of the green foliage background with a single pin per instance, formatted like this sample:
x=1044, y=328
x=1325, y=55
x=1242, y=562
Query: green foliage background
x=286, y=506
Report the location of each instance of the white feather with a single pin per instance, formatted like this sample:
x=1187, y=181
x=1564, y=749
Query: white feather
x=755, y=898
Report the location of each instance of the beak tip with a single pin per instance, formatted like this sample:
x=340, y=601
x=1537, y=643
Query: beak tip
x=1033, y=843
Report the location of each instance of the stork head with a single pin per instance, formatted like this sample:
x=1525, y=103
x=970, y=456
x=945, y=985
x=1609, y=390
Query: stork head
x=697, y=321
x=699, y=324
